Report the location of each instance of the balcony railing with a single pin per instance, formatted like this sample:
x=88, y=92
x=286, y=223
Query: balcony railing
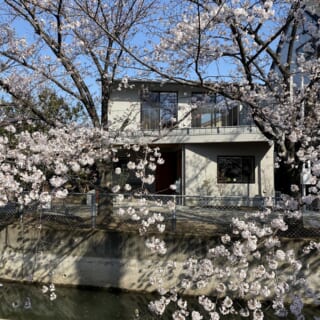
x=190, y=131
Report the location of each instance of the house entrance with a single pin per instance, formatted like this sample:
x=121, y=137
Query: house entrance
x=169, y=172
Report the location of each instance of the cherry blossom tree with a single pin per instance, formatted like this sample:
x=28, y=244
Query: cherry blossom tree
x=37, y=165
x=251, y=52
x=63, y=48
x=56, y=44
x=264, y=54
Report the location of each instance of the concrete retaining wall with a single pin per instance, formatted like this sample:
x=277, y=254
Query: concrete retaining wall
x=110, y=259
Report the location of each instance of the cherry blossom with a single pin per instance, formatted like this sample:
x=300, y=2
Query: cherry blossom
x=94, y=42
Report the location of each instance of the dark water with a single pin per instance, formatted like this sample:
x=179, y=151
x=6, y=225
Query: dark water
x=28, y=302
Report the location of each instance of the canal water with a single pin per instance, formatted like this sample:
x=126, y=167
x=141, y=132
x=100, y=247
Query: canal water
x=28, y=302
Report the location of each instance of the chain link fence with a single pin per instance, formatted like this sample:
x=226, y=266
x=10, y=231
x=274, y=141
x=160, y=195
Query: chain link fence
x=93, y=210
x=76, y=210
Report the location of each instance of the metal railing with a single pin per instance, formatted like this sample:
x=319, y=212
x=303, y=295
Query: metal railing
x=201, y=201
x=244, y=129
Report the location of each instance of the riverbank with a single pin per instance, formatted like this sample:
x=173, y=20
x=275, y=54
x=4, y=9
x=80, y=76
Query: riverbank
x=116, y=259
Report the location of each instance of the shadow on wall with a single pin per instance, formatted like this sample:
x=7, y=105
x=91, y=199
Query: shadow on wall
x=117, y=259
x=195, y=178
x=74, y=256
x=60, y=255
x=97, y=258
x=202, y=170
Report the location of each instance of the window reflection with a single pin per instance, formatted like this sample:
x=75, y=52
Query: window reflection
x=159, y=110
x=217, y=111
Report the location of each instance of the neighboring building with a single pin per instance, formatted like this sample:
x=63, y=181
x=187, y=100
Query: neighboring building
x=306, y=42
x=307, y=46
x=210, y=145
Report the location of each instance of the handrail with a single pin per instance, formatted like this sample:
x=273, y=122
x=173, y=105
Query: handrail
x=188, y=131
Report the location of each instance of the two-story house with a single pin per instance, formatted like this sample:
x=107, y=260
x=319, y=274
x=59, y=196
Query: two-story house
x=210, y=145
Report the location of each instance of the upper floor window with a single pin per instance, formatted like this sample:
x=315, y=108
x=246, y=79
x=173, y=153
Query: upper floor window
x=159, y=109
x=217, y=111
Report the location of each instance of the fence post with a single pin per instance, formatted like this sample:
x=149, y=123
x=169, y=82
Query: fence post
x=93, y=209
x=174, y=216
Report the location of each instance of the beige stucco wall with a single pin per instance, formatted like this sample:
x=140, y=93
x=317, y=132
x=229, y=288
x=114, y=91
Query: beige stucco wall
x=201, y=169
x=125, y=104
x=127, y=100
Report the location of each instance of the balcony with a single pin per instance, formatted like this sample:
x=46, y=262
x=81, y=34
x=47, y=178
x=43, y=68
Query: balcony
x=246, y=133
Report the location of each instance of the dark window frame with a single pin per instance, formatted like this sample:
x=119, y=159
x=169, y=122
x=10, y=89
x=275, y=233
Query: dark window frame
x=243, y=170
x=196, y=116
x=154, y=105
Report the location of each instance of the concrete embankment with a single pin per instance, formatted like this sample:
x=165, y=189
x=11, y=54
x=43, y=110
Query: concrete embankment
x=105, y=258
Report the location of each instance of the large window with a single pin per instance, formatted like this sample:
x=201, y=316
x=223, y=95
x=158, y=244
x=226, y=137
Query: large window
x=159, y=110
x=236, y=169
x=217, y=111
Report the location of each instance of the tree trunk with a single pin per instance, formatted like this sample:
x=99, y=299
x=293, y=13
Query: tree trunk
x=285, y=177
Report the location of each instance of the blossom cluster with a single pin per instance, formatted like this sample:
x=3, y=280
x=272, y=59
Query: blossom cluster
x=248, y=265
x=34, y=166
